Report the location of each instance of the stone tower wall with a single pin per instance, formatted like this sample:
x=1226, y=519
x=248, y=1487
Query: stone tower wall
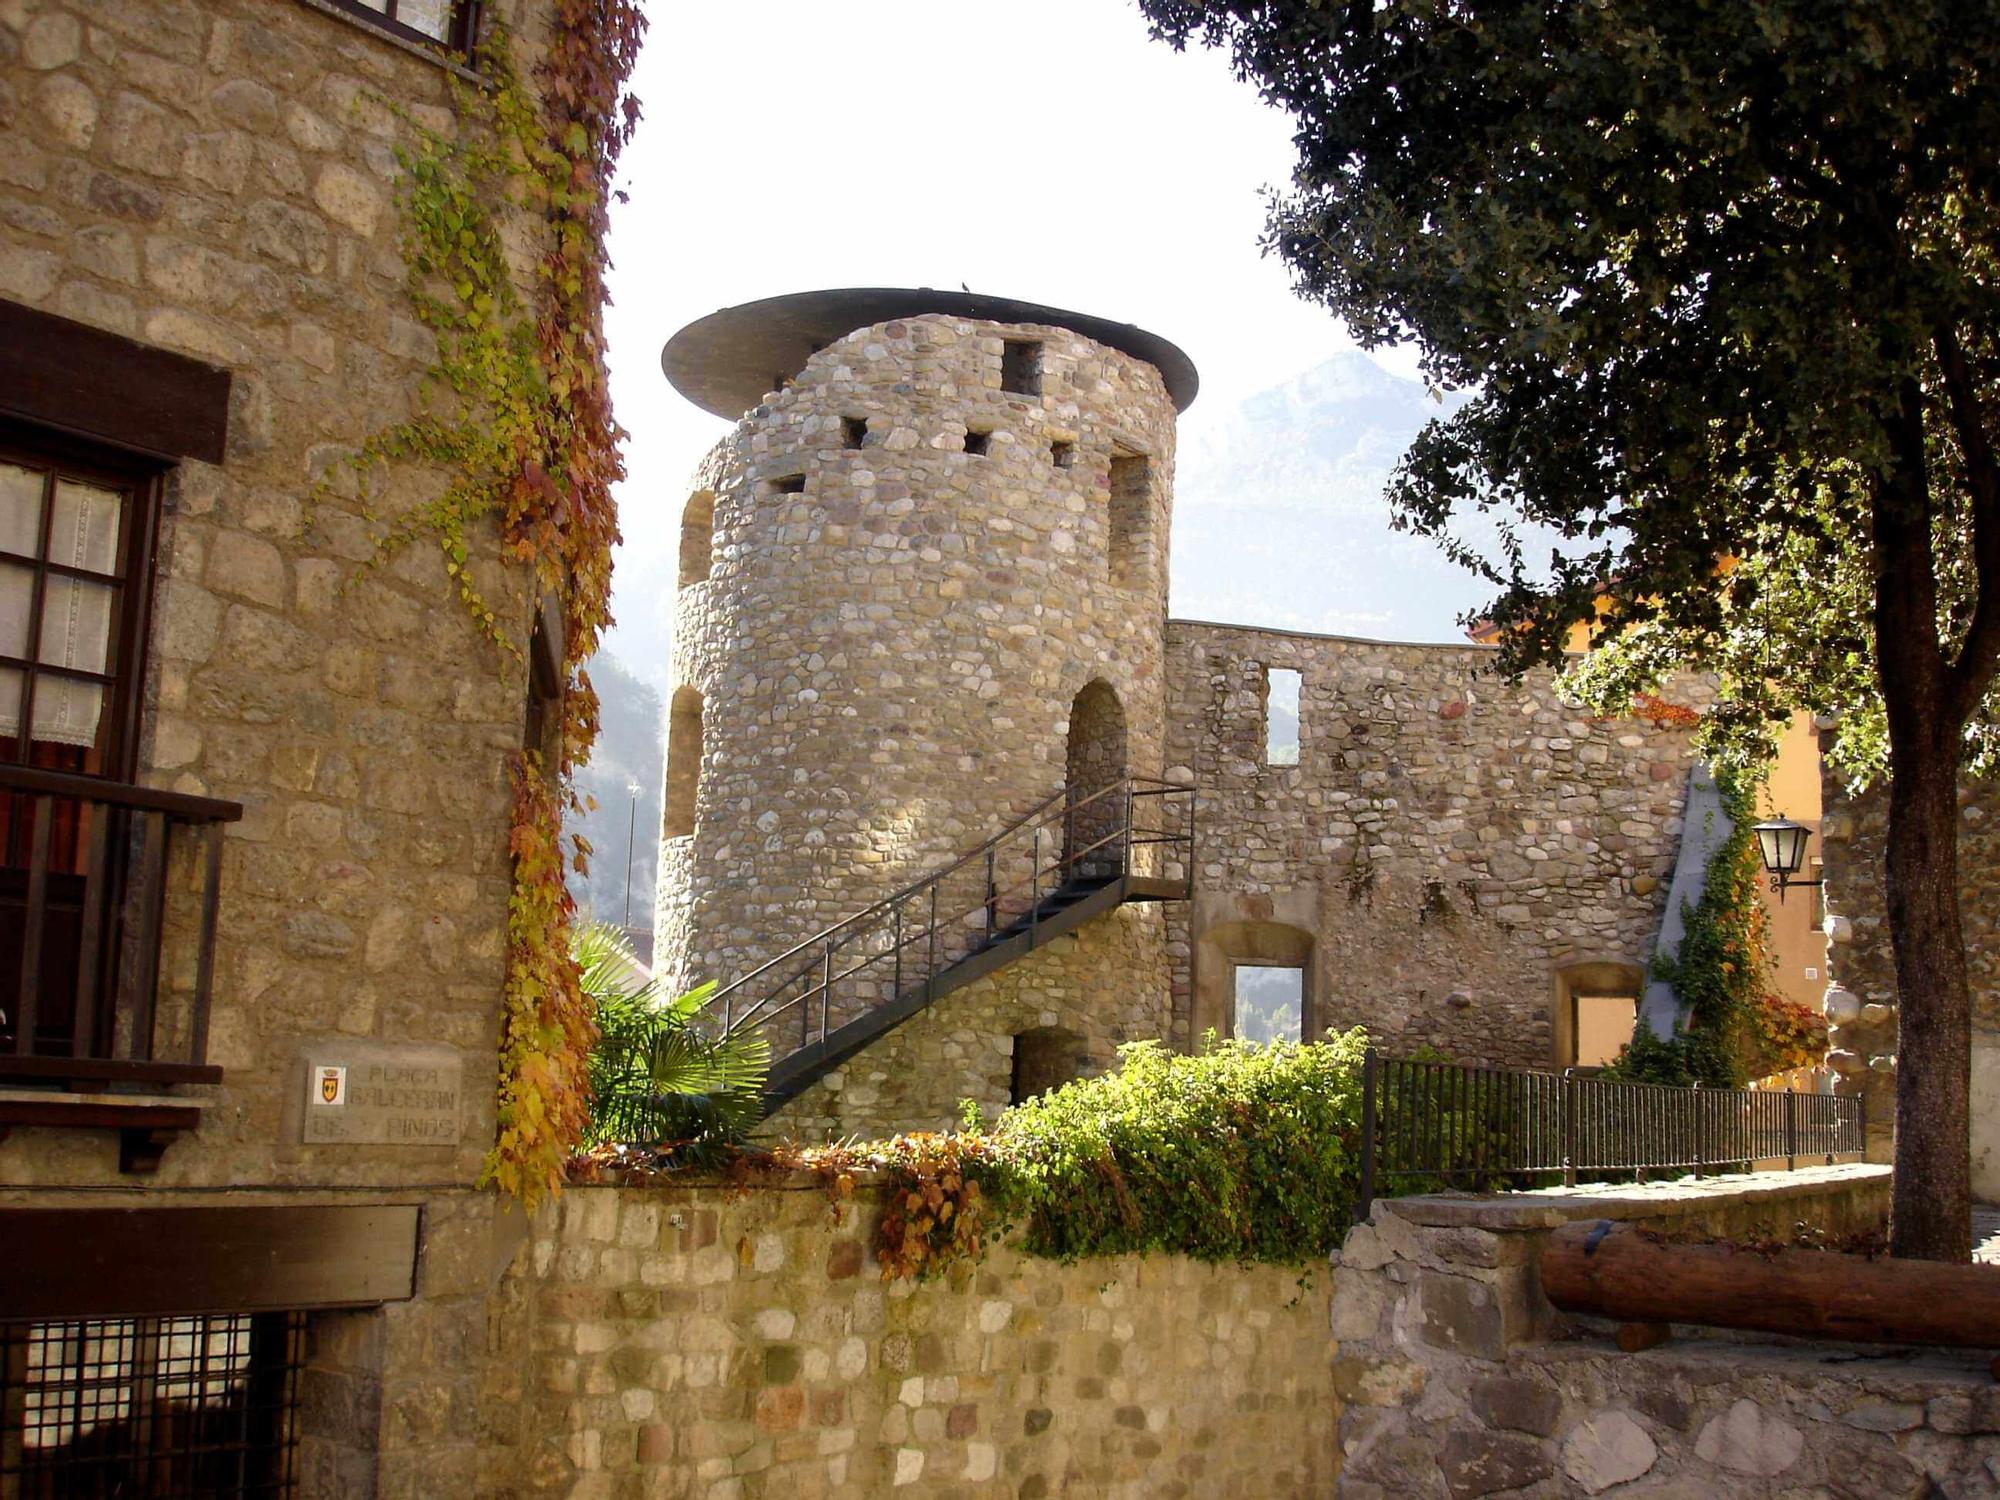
x=889, y=637
x=1448, y=842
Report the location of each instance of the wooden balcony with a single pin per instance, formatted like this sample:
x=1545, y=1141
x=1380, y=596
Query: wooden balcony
x=108, y=902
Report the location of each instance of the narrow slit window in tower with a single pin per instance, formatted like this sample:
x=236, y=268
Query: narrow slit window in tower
x=1281, y=716
x=697, y=537
x=1131, y=501
x=1062, y=453
x=853, y=431
x=976, y=442
x=1021, y=367
x=684, y=738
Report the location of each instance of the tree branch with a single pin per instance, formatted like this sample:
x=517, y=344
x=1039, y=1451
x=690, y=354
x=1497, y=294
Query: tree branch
x=1978, y=658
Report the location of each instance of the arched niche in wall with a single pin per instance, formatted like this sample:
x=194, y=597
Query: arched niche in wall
x=1254, y=978
x=1595, y=1009
x=1096, y=761
x=683, y=763
x=697, y=536
x=1046, y=1057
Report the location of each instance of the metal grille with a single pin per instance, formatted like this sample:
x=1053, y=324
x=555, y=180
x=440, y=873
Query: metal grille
x=163, y=1408
x=1429, y=1125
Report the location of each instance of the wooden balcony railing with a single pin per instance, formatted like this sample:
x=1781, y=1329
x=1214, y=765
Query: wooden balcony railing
x=108, y=899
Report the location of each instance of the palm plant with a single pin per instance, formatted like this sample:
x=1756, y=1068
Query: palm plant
x=657, y=1079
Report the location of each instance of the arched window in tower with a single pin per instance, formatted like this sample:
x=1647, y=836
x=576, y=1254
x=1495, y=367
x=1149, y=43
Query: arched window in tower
x=683, y=763
x=1095, y=766
x=697, y=536
x=1131, y=513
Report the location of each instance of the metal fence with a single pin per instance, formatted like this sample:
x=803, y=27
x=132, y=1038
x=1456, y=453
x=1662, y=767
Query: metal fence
x=1433, y=1125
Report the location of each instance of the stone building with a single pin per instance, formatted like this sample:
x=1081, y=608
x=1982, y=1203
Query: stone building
x=921, y=632
x=255, y=885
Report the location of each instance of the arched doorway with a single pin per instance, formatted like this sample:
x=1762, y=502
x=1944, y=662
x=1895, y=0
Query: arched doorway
x=1095, y=764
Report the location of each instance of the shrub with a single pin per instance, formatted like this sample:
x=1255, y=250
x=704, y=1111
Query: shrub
x=1242, y=1153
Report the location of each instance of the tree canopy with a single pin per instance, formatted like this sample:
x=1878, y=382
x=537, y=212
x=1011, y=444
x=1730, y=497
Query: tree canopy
x=1720, y=276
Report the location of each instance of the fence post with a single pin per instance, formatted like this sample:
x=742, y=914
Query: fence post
x=1035, y=886
x=1700, y=1133
x=825, y=986
x=991, y=895
x=1569, y=1126
x=1791, y=1129
x=930, y=959
x=1366, y=1198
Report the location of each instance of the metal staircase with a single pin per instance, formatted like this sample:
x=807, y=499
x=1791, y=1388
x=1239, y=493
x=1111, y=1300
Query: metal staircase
x=1074, y=857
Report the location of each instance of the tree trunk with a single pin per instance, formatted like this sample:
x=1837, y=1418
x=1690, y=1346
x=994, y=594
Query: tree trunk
x=1933, y=1189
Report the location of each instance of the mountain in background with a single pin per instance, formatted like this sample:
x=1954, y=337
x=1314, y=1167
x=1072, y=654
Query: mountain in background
x=1280, y=519
x=628, y=754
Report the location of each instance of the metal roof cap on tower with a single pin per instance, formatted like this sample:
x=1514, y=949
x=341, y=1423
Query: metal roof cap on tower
x=726, y=362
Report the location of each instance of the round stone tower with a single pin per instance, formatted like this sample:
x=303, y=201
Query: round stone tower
x=922, y=588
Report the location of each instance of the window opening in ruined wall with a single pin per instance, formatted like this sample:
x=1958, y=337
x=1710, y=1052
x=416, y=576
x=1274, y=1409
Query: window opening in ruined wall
x=166, y=1407
x=1094, y=765
x=697, y=537
x=978, y=443
x=455, y=23
x=1281, y=716
x=1597, y=1012
x=1270, y=1002
x=853, y=431
x=1062, y=453
x=1045, y=1058
x=684, y=737
x=1131, y=507
x=787, y=484
x=1021, y=367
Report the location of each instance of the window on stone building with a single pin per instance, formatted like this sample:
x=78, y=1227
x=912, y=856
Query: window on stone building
x=697, y=537
x=545, y=685
x=174, y=1406
x=977, y=443
x=1045, y=1058
x=1021, y=367
x=452, y=23
x=853, y=431
x=1062, y=453
x=1131, y=508
x=1281, y=716
x=76, y=540
x=684, y=737
x=788, y=484
x=1270, y=1002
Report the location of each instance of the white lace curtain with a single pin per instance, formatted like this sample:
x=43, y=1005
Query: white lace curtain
x=77, y=614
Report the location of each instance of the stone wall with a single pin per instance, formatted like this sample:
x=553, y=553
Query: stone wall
x=1099, y=985
x=694, y=1341
x=1862, y=1000
x=888, y=638
x=1459, y=1380
x=1447, y=843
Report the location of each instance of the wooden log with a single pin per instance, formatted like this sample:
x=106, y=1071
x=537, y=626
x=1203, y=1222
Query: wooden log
x=1615, y=1271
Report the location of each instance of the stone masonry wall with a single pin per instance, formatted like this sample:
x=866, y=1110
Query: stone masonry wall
x=1447, y=842
x=1101, y=983
x=889, y=637
x=691, y=1341
x=1458, y=1380
x=217, y=178
x=1862, y=1001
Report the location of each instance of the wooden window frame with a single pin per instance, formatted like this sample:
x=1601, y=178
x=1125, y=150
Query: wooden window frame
x=142, y=482
x=460, y=34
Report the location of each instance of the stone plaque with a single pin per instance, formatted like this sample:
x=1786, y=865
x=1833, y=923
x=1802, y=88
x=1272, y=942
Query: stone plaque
x=379, y=1094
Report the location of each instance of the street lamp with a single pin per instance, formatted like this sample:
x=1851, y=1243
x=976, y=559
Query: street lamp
x=1781, y=844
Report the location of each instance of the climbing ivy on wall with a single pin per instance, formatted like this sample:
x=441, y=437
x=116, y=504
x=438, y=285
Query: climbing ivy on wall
x=1738, y=1026
x=517, y=413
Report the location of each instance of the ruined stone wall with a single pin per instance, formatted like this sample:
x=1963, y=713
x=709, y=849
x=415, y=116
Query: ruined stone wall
x=1458, y=1379
x=1447, y=842
x=1862, y=1001
x=217, y=179
x=888, y=638
x=697, y=1341
x=1101, y=985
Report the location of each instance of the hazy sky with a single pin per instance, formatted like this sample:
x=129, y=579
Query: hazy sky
x=1043, y=149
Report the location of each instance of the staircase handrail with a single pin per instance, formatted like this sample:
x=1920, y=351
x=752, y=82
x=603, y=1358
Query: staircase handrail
x=822, y=944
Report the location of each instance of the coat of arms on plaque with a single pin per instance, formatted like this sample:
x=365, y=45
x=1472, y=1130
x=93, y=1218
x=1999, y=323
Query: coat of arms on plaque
x=332, y=1085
